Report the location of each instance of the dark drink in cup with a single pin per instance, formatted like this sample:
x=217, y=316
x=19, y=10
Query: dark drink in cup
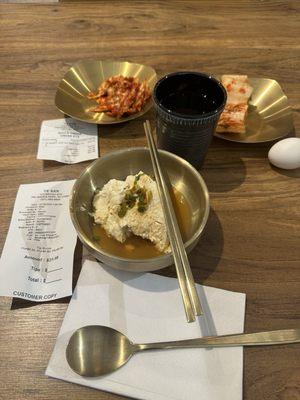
x=188, y=106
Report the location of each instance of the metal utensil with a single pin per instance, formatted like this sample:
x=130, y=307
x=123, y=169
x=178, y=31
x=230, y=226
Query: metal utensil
x=97, y=350
x=189, y=293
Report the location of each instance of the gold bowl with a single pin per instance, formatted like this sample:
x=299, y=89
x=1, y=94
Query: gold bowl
x=118, y=165
x=85, y=77
x=269, y=114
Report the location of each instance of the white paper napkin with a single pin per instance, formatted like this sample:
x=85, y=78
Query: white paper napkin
x=148, y=308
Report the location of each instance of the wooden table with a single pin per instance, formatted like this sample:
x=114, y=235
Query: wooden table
x=251, y=243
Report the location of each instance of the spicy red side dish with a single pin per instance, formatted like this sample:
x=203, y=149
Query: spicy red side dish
x=120, y=96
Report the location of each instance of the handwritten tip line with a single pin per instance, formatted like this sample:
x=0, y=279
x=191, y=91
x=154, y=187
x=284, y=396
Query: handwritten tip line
x=53, y=270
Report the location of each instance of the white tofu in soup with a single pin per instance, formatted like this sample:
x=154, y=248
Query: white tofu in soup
x=132, y=207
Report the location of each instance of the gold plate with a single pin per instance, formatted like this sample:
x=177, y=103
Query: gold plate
x=87, y=76
x=269, y=115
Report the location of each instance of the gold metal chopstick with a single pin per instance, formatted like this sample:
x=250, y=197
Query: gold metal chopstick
x=178, y=264
x=185, y=277
x=176, y=232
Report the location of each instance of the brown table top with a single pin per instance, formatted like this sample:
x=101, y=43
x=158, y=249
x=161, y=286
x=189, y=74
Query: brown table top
x=251, y=243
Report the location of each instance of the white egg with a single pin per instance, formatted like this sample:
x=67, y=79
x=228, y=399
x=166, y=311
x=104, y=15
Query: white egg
x=286, y=153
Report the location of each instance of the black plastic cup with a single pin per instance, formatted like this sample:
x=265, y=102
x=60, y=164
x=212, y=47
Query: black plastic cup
x=188, y=106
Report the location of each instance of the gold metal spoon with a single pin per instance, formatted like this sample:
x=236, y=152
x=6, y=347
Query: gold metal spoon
x=97, y=350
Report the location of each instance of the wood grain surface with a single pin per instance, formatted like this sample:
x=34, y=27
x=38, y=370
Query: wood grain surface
x=251, y=243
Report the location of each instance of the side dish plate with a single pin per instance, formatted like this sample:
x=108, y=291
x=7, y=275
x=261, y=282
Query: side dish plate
x=269, y=114
x=86, y=76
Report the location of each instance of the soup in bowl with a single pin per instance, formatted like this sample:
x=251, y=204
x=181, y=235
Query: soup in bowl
x=190, y=200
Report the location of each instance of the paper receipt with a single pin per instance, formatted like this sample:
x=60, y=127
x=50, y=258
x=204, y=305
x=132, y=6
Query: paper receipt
x=68, y=141
x=37, y=259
